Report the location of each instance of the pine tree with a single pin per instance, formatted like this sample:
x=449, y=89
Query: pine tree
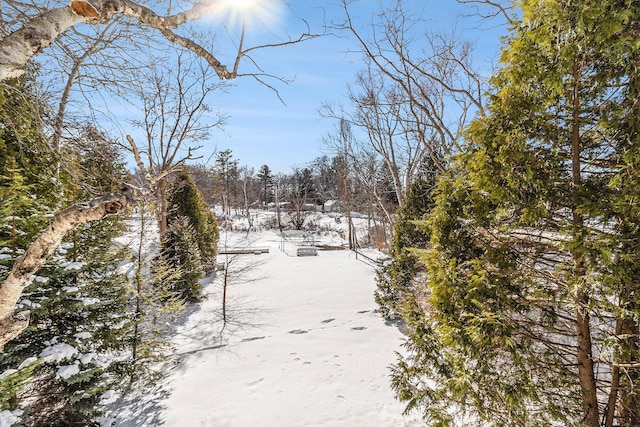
x=154, y=306
x=265, y=177
x=20, y=213
x=75, y=301
x=531, y=319
x=190, y=245
x=27, y=191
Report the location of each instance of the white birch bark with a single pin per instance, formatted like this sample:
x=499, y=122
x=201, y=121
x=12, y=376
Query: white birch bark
x=20, y=46
x=12, y=323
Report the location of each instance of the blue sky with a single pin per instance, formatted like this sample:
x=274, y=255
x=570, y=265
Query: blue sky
x=262, y=130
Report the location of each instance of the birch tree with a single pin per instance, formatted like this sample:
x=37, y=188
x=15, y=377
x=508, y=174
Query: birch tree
x=20, y=43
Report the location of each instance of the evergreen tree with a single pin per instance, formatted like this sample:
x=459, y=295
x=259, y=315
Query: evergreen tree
x=531, y=319
x=27, y=191
x=265, y=176
x=190, y=245
x=396, y=279
x=154, y=306
x=180, y=251
x=185, y=200
x=77, y=303
x=226, y=175
x=20, y=213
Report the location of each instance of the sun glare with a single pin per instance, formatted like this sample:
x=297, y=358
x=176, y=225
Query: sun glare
x=249, y=12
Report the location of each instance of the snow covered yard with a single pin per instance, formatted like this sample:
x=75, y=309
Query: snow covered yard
x=304, y=346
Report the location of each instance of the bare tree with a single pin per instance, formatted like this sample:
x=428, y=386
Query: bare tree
x=225, y=173
x=324, y=178
x=413, y=99
x=279, y=190
x=237, y=270
x=381, y=113
x=203, y=177
x=362, y=179
x=36, y=33
x=41, y=30
x=175, y=117
x=489, y=9
x=342, y=163
x=249, y=191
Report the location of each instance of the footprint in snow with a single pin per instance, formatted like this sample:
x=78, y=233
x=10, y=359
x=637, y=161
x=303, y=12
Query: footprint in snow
x=328, y=321
x=298, y=331
x=359, y=328
x=252, y=339
x=256, y=382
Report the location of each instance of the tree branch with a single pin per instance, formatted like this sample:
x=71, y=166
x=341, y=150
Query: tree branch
x=20, y=46
x=44, y=247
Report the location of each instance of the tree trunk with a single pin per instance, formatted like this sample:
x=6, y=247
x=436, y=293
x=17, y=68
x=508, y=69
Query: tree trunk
x=17, y=48
x=586, y=373
x=615, y=383
x=224, y=291
x=629, y=400
x=162, y=208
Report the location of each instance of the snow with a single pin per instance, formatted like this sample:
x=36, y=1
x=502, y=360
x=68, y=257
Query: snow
x=7, y=373
x=67, y=371
x=74, y=265
x=7, y=417
x=304, y=346
x=58, y=352
x=108, y=398
x=28, y=361
x=119, y=325
x=88, y=358
x=82, y=335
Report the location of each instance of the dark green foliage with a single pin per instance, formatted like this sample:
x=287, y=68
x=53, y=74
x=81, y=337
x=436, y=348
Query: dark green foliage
x=81, y=303
x=13, y=382
x=21, y=215
x=185, y=200
x=27, y=189
x=190, y=245
x=180, y=251
x=78, y=298
x=265, y=177
x=396, y=279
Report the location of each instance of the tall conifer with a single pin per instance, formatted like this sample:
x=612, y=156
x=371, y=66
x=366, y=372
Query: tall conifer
x=531, y=318
x=77, y=301
x=396, y=280
x=186, y=200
